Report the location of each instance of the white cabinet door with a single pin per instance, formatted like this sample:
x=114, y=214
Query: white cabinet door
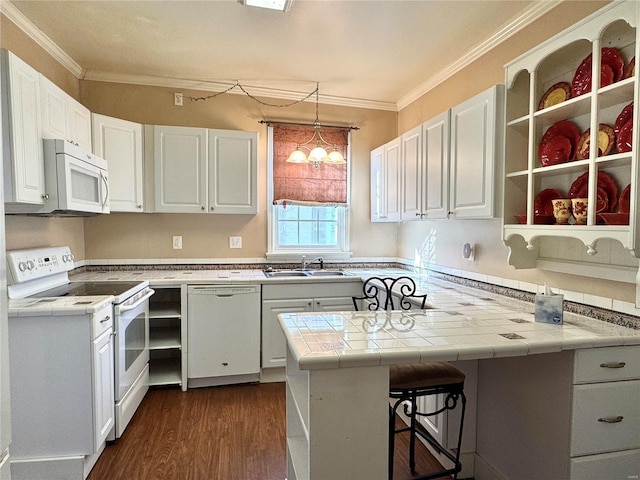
x=63, y=116
x=377, y=185
x=103, y=387
x=119, y=142
x=79, y=123
x=333, y=304
x=392, y=153
x=23, y=153
x=412, y=174
x=180, y=155
x=274, y=346
x=233, y=172
x=385, y=178
x=475, y=140
x=435, y=148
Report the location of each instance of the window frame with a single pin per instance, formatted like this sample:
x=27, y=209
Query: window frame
x=293, y=253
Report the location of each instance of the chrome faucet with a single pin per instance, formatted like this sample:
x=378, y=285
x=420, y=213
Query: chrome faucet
x=305, y=264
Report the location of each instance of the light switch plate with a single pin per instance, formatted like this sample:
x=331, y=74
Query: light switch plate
x=177, y=242
x=235, y=242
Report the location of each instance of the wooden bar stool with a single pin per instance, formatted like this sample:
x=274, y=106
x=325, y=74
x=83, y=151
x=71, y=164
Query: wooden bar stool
x=409, y=382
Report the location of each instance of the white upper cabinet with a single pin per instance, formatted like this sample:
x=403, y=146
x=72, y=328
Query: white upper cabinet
x=412, y=174
x=435, y=151
x=233, y=172
x=64, y=117
x=119, y=142
x=602, y=47
x=385, y=182
x=22, y=133
x=199, y=170
x=476, y=155
x=180, y=169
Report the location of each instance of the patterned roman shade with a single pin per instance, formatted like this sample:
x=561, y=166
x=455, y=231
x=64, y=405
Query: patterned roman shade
x=303, y=184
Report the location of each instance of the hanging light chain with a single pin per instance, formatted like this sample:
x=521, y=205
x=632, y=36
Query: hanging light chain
x=252, y=97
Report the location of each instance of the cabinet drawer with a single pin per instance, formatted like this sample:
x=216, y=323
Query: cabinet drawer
x=102, y=321
x=617, y=402
x=606, y=364
x=612, y=466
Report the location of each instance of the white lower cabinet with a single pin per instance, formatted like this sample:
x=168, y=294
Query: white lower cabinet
x=605, y=420
x=103, y=387
x=299, y=297
x=578, y=412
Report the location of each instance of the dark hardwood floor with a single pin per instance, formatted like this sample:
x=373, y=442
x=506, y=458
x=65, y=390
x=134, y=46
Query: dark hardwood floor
x=218, y=433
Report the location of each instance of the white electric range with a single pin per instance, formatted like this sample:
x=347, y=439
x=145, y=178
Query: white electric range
x=39, y=285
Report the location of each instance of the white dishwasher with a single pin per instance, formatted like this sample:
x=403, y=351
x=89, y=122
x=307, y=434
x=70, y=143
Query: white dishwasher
x=223, y=334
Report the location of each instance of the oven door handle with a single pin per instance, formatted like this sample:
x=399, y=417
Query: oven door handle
x=126, y=308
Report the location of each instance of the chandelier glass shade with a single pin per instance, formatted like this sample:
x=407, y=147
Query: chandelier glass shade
x=316, y=154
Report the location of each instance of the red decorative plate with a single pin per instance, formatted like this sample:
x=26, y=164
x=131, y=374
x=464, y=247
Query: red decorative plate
x=566, y=129
x=624, y=203
x=624, y=116
x=624, y=140
x=542, y=203
x=556, y=94
x=613, y=218
x=609, y=71
x=630, y=71
x=555, y=151
x=611, y=56
x=579, y=188
x=605, y=139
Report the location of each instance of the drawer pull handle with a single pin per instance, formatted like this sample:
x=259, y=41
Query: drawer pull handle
x=617, y=419
x=105, y=319
x=613, y=365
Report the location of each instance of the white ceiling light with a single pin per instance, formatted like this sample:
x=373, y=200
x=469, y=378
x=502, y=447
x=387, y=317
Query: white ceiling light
x=318, y=154
x=282, y=5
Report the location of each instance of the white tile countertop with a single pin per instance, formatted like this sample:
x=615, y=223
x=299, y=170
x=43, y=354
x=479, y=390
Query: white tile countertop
x=466, y=324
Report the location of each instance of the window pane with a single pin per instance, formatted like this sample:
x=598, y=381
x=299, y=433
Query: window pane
x=306, y=213
x=288, y=233
x=327, y=234
x=290, y=212
x=307, y=233
x=327, y=213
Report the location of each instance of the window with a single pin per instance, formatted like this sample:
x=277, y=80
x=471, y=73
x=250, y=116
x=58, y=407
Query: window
x=299, y=227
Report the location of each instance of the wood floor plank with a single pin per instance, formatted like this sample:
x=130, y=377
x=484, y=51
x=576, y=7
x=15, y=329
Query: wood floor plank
x=219, y=433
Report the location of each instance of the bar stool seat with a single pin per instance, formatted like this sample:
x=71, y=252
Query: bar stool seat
x=409, y=382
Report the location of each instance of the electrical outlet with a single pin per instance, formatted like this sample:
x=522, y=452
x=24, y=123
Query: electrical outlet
x=177, y=99
x=177, y=242
x=235, y=242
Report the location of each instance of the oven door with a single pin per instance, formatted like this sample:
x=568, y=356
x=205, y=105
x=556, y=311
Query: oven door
x=132, y=342
x=82, y=186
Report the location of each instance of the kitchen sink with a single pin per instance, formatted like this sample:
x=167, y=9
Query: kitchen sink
x=271, y=273
x=284, y=273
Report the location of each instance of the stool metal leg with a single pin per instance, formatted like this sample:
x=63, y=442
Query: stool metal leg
x=392, y=435
x=412, y=438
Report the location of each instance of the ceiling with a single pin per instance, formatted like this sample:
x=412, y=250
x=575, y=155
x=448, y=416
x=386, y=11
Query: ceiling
x=374, y=53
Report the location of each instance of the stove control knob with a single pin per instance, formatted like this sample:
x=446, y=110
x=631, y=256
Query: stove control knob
x=30, y=265
x=22, y=266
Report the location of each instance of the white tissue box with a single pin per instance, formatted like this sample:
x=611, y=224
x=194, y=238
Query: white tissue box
x=548, y=308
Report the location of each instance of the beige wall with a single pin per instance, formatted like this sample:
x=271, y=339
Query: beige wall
x=441, y=241
x=207, y=236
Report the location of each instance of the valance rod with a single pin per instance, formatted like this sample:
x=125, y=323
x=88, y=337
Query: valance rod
x=276, y=122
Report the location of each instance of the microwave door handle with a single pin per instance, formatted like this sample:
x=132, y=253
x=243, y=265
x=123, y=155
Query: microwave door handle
x=141, y=300
x=106, y=185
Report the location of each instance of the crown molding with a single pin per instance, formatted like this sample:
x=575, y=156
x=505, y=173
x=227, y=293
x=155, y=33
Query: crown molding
x=9, y=10
x=213, y=86
x=525, y=18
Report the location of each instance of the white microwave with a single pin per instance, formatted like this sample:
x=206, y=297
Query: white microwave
x=76, y=181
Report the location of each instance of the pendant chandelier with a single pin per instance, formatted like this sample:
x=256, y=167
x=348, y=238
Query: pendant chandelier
x=317, y=154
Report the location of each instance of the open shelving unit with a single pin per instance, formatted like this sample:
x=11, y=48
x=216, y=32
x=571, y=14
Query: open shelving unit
x=165, y=337
x=527, y=79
